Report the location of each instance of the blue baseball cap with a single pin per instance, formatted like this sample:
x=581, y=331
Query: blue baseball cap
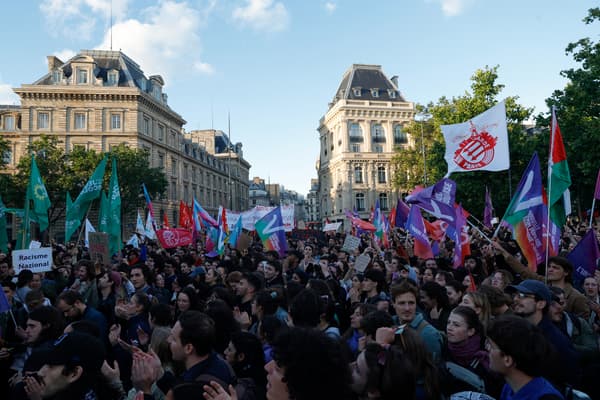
x=532, y=286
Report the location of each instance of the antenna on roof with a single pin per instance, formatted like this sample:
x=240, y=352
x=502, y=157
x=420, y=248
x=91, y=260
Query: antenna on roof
x=110, y=25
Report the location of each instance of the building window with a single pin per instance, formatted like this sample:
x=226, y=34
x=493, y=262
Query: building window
x=7, y=157
x=113, y=78
x=360, y=202
x=9, y=123
x=356, y=91
x=115, y=121
x=392, y=93
x=82, y=76
x=381, y=174
x=173, y=166
x=378, y=148
x=79, y=120
x=378, y=133
x=358, y=175
x=355, y=133
x=43, y=120
x=383, y=201
x=146, y=126
x=375, y=93
x=399, y=135
x=161, y=160
x=185, y=171
x=161, y=133
x=56, y=76
x=355, y=147
x=174, y=190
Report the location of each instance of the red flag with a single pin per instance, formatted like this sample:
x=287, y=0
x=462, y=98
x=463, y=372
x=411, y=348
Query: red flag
x=436, y=229
x=165, y=221
x=175, y=237
x=392, y=218
x=185, y=216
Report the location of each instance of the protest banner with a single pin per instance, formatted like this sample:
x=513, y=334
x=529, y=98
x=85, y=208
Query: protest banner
x=99, y=247
x=351, y=243
x=35, y=260
x=361, y=263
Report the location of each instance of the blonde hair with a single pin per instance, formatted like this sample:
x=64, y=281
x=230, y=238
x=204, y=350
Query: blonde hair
x=481, y=301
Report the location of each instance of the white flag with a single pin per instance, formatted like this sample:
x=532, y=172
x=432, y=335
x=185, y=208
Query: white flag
x=134, y=241
x=139, y=225
x=88, y=228
x=149, y=229
x=480, y=144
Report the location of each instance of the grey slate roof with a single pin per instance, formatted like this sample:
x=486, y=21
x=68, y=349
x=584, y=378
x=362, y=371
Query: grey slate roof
x=367, y=78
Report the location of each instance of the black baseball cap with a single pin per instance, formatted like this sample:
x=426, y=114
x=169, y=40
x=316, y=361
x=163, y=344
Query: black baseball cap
x=75, y=349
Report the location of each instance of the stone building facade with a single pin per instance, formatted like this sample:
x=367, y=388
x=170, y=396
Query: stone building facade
x=100, y=99
x=358, y=136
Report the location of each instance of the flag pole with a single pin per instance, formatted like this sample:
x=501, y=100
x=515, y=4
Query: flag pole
x=82, y=227
x=592, y=212
x=552, y=129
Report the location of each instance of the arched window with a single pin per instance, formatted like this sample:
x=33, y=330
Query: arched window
x=377, y=133
x=360, y=202
x=358, y=174
x=355, y=133
x=399, y=135
x=381, y=178
x=383, y=201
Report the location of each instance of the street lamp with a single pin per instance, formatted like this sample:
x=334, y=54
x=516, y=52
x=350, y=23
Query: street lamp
x=423, y=117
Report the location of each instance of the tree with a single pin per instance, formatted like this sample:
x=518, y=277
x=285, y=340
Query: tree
x=68, y=172
x=578, y=113
x=470, y=186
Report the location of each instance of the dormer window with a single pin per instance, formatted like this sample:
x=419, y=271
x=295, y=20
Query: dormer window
x=375, y=93
x=112, y=78
x=356, y=91
x=392, y=94
x=56, y=76
x=82, y=76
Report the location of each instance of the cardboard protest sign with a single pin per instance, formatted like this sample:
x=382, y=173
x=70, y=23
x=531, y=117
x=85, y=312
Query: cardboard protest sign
x=99, y=247
x=35, y=260
x=361, y=263
x=351, y=243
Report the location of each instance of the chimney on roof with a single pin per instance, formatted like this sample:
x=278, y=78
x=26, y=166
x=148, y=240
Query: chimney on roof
x=394, y=80
x=53, y=63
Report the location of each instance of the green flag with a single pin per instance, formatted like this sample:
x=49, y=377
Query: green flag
x=89, y=193
x=114, y=201
x=104, y=218
x=36, y=191
x=3, y=235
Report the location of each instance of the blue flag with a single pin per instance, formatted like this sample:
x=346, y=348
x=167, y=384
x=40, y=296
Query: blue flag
x=584, y=257
x=416, y=227
x=4, y=305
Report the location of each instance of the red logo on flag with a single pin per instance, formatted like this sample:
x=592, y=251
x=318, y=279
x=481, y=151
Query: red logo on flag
x=476, y=151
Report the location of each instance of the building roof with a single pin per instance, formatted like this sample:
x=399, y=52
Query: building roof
x=361, y=81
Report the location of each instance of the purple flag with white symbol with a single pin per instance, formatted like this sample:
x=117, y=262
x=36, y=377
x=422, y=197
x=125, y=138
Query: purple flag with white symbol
x=438, y=200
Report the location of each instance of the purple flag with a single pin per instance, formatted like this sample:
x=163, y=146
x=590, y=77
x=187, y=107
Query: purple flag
x=416, y=227
x=4, y=305
x=488, y=211
x=437, y=200
x=402, y=210
x=461, y=222
x=584, y=257
x=597, y=191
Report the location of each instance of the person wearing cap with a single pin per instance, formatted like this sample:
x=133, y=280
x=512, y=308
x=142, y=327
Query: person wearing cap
x=71, y=369
x=517, y=351
x=560, y=273
x=532, y=300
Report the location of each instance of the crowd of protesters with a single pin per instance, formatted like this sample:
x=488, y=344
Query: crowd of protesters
x=177, y=324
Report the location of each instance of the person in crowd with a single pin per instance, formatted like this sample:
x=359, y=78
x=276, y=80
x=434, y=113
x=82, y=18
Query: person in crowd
x=141, y=276
x=443, y=277
x=374, y=287
x=532, y=300
x=160, y=290
x=435, y=304
x=109, y=289
x=590, y=289
x=500, y=302
x=73, y=307
x=455, y=291
x=249, y=284
x=225, y=323
x=353, y=334
x=187, y=299
x=480, y=304
x=429, y=271
x=271, y=270
x=23, y=279
x=213, y=279
x=246, y=357
x=560, y=273
x=501, y=279
x=71, y=369
x=355, y=290
x=85, y=282
x=405, y=297
x=517, y=350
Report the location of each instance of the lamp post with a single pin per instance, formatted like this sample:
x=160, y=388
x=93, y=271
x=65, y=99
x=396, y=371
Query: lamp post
x=422, y=117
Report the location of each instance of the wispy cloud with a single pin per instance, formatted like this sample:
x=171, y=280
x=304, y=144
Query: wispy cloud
x=330, y=7
x=452, y=8
x=7, y=96
x=262, y=15
x=78, y=18
x=64, y=54
x=165, y=40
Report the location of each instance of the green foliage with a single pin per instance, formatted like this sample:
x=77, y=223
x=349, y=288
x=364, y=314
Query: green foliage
x=578, y=113
x=69, y=173
x=483, y=95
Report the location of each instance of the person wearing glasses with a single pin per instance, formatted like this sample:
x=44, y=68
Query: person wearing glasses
x=518, y=351
x=531, y=301
x=73, y=307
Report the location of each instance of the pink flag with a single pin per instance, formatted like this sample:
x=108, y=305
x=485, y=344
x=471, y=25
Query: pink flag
x=597, y=191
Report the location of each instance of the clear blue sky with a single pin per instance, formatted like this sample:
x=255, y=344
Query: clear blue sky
x=275, y=64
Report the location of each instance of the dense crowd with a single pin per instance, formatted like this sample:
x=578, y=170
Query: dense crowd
x=176, y=324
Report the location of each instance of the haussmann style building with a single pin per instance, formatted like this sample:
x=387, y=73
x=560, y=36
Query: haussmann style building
x=358, y=136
